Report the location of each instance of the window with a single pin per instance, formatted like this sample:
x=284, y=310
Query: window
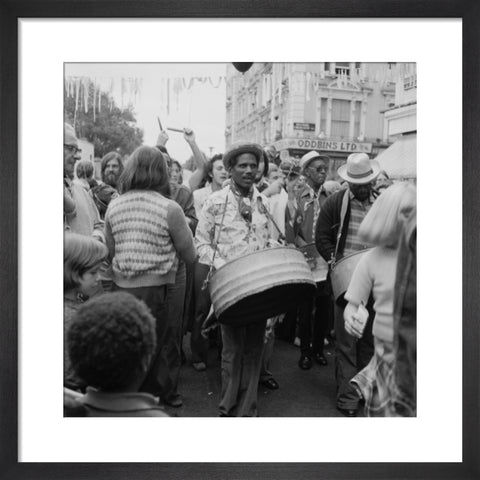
x=340, y=118
x=357, y=116
x=410, y=82
x=342, y=68
x=323, y=115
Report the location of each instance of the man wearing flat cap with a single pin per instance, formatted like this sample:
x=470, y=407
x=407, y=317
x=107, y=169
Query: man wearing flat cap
x=336, y=237
x=313, y=313
x=233, y=223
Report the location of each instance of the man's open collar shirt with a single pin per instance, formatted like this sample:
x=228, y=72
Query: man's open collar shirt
x=238, y=236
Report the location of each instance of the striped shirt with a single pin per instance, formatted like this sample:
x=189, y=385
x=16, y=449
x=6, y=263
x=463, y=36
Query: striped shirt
x=358, y=210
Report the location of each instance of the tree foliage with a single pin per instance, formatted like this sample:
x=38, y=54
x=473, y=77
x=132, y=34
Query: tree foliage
x=113, y=129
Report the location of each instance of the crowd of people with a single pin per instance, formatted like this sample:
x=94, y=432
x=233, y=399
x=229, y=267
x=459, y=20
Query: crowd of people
x=143, y=242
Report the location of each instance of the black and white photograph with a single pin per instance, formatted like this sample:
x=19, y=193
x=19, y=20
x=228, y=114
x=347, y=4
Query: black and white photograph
x=240, y=239
x=238, y=224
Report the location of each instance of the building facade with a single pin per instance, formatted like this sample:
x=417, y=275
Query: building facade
x=333, y=107
x=400, y=159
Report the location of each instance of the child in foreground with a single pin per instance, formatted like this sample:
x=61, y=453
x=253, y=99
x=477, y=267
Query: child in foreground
x=375, y=273
x=82, y=260
x=110, y=342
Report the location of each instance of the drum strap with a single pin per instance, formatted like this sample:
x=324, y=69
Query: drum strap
x=215, y=245
x=343, y=213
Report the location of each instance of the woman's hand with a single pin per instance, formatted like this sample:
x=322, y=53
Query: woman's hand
x=352, y=325
x=292, y=187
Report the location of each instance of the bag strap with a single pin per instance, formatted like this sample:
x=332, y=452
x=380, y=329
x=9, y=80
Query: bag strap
x=262, y=208
x=343, y=213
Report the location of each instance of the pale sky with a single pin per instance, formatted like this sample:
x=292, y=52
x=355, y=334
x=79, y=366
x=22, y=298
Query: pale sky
x=202, y=108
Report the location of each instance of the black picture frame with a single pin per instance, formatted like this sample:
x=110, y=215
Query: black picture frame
x=468, y=11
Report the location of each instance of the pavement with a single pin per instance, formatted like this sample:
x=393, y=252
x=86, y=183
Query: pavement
x=302, y=393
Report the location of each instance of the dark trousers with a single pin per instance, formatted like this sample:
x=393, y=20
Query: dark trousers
x=241, y=363
x=313, y=321
x=174, y=336
x=156, y=381
x=351, y=356
x=198, y=344
x=189, y=305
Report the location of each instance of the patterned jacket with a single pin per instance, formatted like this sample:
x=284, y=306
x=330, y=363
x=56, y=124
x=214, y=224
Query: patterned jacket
x=221, y=221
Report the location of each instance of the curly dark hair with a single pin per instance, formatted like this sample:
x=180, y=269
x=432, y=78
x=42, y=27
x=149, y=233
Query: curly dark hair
x=111, y=341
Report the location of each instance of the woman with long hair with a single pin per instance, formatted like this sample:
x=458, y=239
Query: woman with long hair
x=216, y=176
x=146, y=234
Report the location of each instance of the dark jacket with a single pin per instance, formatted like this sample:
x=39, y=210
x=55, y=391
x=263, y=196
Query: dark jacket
x=299, y=230
x=405, y=321
x=183, y=196
x=328, y=224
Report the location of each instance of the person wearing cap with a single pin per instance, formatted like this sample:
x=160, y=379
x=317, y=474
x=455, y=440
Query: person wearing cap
x=313, y=313
x=233, y=223
x=348, y=208
x=80, y=212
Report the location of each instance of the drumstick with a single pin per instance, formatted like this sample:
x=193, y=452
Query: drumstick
x=160, y=124
x=175, y=130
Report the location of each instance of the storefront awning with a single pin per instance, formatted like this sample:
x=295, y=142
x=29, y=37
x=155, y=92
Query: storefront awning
x=400, y=159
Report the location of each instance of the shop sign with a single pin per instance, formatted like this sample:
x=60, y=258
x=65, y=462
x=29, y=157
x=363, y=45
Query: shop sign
x=327, y=145
x=307, y=127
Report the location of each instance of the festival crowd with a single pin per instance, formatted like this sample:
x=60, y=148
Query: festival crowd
x=143, y=243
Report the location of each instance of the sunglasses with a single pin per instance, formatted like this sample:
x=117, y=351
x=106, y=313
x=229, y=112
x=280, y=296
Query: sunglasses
x=72, y=148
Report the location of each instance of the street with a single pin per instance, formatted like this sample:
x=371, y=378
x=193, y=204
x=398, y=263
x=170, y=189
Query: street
x=302, y=393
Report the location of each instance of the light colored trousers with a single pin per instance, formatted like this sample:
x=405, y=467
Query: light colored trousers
x=241, y=363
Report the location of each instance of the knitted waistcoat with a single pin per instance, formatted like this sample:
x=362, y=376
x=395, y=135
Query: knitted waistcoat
x=144, y=252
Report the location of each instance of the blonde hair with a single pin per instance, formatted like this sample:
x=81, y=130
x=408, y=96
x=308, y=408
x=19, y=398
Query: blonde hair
x=80, y=253
x=383, y=223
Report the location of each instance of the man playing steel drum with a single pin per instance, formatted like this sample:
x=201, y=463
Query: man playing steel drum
x=233, y=223
x=344, y=211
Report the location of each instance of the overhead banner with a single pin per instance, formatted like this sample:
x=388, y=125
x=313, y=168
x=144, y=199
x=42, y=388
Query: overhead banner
x=327, y=145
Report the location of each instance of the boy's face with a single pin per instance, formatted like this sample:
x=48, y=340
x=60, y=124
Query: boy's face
x=90, y=281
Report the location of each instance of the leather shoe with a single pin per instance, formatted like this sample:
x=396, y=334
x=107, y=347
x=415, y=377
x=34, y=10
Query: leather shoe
x=305, y=362
x=270, y=383
x=320, y=359
x=199, y=366
x=174, y=401
x=348, y=412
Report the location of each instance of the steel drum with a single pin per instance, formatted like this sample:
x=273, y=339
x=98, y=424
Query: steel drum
x=260, y=285
x=318, y=266
x=342, y=271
